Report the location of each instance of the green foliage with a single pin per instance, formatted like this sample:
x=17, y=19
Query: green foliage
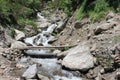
x=55, y=35
x=97, y=13
x=66, y=48
x=96, y=17
x=100, y=10
x=65, y=5
x=21, y=10
x=12, y=32
x=81, y=12
x=28, y=22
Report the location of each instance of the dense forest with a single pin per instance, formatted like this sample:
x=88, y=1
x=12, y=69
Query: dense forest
x=19, y=12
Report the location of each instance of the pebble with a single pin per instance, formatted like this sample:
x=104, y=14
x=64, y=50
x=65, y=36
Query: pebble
x=41, y=77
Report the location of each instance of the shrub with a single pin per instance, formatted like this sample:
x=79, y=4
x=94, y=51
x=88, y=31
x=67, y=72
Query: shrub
x=100, y=10
x=96, y=13
x=65, y=5
x=18, y=9
x=28, y=22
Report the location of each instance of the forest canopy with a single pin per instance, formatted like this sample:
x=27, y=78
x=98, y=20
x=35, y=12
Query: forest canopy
x=17, y=12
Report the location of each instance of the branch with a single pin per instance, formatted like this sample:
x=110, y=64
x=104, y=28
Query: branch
x=47, y=47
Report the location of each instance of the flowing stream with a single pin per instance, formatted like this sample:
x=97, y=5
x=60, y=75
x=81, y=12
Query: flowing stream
x=50, y=66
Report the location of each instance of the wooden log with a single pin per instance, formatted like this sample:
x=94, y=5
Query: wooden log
x=47, y=47
x=38, y=47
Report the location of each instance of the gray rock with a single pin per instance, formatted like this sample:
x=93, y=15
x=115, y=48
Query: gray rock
x=19, y=35
x=43, y=25
x=63, y=54
x=18, y=45
x=61, y=25
x=30, y=72
x=104, y=27
x=79, y=58
x=110, y=15
x=31, y=79
x=42, y=77
x=55, y=52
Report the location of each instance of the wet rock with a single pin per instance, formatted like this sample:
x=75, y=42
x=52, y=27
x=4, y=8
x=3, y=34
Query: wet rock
x=23, y=63
x=49, y=66
x=41, y=77
x=30, y=72
x=18, y=45
x=19, y=35
x=42, y=38
x=40, y=16
x=79, y=58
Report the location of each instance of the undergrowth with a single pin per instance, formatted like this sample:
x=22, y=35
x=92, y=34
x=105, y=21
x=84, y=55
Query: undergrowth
x=65, y=5
x=28, y=22
x=99, y=11
x=81, y=12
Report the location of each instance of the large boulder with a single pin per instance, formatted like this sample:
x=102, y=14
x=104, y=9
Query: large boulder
x=18, y=45
x=31, y=72
x=79, y=58
x=19, y=35
x=104, y=27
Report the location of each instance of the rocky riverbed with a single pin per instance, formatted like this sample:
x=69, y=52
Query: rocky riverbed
x=95, y=57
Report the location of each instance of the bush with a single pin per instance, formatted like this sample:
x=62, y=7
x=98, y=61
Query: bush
x=28, y=22
x=96, y=13
x=18, y=9
x=65, y=5
x=100, y=10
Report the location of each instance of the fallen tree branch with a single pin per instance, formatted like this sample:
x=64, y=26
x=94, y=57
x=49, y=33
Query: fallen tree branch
x=37, y=47
x=47, y=47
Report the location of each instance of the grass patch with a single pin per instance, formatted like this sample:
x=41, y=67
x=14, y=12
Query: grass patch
x=28, y=22
x=98, y=12
x=81, y=12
